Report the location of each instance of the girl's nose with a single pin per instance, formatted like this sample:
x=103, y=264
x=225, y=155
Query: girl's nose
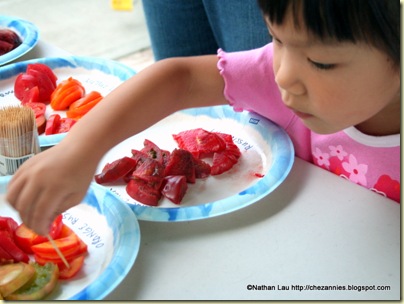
x=288, y=73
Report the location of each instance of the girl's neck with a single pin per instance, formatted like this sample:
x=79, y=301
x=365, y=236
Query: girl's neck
x=386, y=122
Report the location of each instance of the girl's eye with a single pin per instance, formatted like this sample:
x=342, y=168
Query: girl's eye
x=322, y=66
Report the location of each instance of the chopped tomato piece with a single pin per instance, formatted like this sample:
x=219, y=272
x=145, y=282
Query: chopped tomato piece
x=143, y=193
x=115, y=170
x=175, y=187
x=181, y=163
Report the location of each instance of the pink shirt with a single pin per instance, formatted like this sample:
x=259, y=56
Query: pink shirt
x=370, y=161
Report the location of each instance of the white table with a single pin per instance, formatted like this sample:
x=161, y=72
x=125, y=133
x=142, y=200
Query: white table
x=315, y=232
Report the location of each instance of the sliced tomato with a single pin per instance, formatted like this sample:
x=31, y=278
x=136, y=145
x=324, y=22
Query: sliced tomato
x=80, y=107
x=8, y=224
x=40, y=124
x=23, y=84
x=199, y=142
x=38, y=107
x=52, y=124
x=8, y=245
x=181, y=163
x=67, y=245
x=175, y=187
x=31, y=96
x=44, y=84
x=115, y=170
x=5, y=257
x=154, y=151
x=43, y=68
x=25, y=238
x=66, y=92
x=143, y=193
x=75, y=266
x=66, y=124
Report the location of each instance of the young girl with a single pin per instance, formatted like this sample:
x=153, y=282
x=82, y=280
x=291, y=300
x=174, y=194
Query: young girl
x=331, y=79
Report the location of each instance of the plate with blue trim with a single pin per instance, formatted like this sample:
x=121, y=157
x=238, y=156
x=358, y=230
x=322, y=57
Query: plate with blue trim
x=97, y=74
x=267, y=156
x=28, y=33
x=111, y=232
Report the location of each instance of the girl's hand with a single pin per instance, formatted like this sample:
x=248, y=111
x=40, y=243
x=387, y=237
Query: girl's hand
x=48, y=184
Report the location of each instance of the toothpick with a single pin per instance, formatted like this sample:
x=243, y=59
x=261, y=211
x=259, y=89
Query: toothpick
x=60, y=254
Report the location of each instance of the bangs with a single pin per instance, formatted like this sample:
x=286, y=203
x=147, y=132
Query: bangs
x=375, y=22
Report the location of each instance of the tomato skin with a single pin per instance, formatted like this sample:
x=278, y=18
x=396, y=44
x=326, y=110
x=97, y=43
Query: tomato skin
x=23, y=84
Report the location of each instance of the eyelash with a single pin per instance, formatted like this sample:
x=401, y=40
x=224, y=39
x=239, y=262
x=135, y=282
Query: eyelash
x=317, y=65
x=322, y=66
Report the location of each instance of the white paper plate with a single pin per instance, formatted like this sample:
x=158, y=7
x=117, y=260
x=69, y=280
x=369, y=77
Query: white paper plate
x=95, y=74
x=28, y=33
x=266, y=150
x=112, y=234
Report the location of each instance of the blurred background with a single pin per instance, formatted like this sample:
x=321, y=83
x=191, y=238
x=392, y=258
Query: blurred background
x=88, y=28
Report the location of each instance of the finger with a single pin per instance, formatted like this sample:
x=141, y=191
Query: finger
x=41, y=214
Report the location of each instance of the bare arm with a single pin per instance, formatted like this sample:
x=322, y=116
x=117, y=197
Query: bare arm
x=58, y=178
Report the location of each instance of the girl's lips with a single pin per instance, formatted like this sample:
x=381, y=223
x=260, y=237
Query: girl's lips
x=302, y=115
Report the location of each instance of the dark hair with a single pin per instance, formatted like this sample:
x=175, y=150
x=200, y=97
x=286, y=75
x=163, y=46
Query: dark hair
x=376, y=22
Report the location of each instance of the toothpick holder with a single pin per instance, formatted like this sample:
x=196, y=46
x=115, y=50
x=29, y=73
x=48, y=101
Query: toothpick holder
x=18, y=138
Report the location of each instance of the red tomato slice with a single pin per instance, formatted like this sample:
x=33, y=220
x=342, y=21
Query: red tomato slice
x=67, y=245
x=38, y=107
x=40, y=124
x=24, y=238
x=23, y=84
x=5, y=257
x=43, y=68
x=44, y=84
x=66, y=124
x=115, y=170
x=175, y=188
x=53, y=124
x=8, y=224
x=143, y=193
x=75, y=266
x=31, y=96
x=8, y=245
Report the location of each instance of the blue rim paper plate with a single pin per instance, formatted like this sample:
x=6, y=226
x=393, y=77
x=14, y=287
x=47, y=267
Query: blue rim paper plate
x=98, y=74
x=28, y=33
x=267, y=158
x=111, y=232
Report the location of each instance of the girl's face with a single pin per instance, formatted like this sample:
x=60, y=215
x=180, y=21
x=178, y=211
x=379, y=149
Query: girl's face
x=331, y=86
